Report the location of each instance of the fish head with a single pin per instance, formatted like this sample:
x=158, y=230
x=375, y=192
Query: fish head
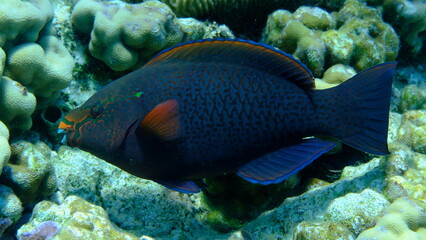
x=102, y=123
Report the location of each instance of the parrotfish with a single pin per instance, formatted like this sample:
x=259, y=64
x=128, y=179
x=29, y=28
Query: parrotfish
x=212, y=107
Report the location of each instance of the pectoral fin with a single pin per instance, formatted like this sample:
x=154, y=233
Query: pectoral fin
x=277, y=166
x=163, y=121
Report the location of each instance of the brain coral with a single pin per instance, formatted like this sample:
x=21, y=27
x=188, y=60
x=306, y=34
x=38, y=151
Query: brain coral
x=125, y=35
x=16, y=104
x=29, y=171
x=21, y=20
x=44, y=67
x=4, y=145
x=403, y=219
x=356, y=36
x=76, y=219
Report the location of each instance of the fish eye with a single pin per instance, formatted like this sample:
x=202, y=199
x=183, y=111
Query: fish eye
x=96, y=111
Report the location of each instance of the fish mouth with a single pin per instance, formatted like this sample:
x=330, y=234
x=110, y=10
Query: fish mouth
x=64, y=129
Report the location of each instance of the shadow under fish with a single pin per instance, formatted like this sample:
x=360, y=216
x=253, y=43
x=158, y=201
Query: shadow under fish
x=210, y=107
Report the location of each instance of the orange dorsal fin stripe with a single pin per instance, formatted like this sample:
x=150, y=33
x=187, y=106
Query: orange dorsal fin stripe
x=163, y=121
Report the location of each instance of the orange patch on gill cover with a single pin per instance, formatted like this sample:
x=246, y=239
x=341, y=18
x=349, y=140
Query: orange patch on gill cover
x=163, y=120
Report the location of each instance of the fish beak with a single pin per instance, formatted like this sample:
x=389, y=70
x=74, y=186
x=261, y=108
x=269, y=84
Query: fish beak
x=64, y=128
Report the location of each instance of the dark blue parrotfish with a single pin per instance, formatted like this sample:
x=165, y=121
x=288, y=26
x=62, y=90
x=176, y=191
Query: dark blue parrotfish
x=211, y=107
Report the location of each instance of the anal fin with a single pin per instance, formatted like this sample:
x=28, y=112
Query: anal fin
x=277, y=166
x=183, y=186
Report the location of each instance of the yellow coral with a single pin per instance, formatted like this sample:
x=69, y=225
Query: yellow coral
x=404, y=219
x=125, y=35
x=16, y=104
x=338, y=73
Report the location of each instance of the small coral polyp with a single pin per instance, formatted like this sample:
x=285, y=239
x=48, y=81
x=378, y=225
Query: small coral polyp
x=126, y=35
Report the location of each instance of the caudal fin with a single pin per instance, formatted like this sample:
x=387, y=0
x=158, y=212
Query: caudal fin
x=368, y=95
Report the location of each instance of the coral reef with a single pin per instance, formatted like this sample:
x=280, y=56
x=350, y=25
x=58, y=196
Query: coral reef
x=25, y=22
x=357, y=211
x=403, y=219
x=10, y=205
x=125, y=36
x=16, y=104
x=280, y=222
x=4, y=145
x=44, y=67
x=29, y=171
x=73, y=219
x=356, y=36
x=323, y=230
x=139, y=206
x=409, y=20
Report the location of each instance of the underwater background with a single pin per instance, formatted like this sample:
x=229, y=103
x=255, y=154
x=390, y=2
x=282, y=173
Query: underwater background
x=54, y=54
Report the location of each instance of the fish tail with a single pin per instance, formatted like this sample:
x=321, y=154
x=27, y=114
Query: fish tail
x=359, y=109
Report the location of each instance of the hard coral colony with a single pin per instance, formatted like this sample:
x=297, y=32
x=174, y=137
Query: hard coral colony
x=201, y=105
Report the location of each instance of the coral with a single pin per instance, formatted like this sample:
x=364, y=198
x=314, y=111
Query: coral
x=323, y=230
x=4, y=224
x=16, y=104
x=10, y=205
x=4, y=145
x=375, y=41
x=2, y=61
x=409, y=20
x=134, y=204
x=125, y=35
x=45, y=230
x=21, y=21
x=356, y=35
x=403, y=219
x=357, y=211
x=195, y=29
x=338, y=73
x=412, y=98
x=44, y=67
x=413, y=130
x=29, y=172
x=280, y=222
x=73, y=219
x=231, y=201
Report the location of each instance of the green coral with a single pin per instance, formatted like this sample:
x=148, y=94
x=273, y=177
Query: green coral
x=16, y=104
x=10, y=205
x=338, y=73
x=375, y=41
x=412, y=98
x=403, y=219
x=356, y=36
x=126, y=35
x=77, y=219
x=409, y=20
x=44, y=67
x=29, y=171
x=323, y=230
x=22, y=21
x=4, y=145
x=357, y=211
x=231, y=201
x=413, y=130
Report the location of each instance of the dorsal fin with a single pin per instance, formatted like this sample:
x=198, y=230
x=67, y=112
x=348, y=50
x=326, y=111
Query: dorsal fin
x=241, y=52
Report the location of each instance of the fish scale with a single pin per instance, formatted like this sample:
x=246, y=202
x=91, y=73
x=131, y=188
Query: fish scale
x=212, y=107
